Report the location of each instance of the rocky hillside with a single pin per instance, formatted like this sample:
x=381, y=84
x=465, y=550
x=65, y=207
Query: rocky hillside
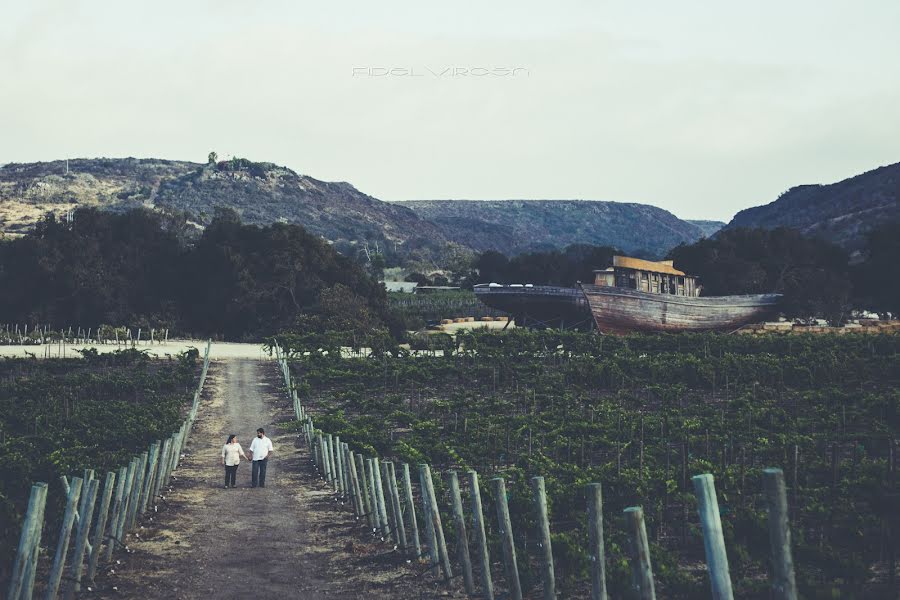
x=842, y=212
x=514, y=226
x=261, y=193
x=709, y=228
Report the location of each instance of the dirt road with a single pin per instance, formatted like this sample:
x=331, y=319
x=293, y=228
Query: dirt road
x=286, y=540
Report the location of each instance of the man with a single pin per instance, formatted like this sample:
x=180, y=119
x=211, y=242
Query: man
x=260, y=449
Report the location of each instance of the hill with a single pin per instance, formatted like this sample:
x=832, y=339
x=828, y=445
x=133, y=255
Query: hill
x=515, y=226
x=841, y=212
x=261, y=194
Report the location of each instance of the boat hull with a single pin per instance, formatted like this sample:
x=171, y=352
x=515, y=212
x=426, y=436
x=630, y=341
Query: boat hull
x=541, y=306
x=618, y=310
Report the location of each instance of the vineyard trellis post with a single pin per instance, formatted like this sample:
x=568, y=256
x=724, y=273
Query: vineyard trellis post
x=506, y=535
x=82, y=534
x=116, y=511
x=596, y=549
x=21, y=582
x=484, y=558
x=641, y=569
x=411, y=509
x=713, y=541
x=540, y=505
x=398, y=509
x=462, y=539
x=65, y=532
x=784, y=585
x=434, y=516
x=100, y=525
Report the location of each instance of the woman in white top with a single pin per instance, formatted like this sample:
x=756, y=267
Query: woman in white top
x=231, y=458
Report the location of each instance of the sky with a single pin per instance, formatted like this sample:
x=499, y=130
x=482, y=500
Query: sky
x=702, y=108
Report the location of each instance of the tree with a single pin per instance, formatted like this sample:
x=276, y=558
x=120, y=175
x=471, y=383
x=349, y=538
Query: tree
x=213, y=158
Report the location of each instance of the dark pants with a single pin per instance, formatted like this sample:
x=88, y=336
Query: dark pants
x=259, y=473
x=230, y=474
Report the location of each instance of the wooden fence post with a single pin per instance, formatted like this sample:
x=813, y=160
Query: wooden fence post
x=641, y=569
x=62, y=546
x=368, y=505
x=386, y=528
x=462, y=539
x=358, y=508
x=398, y=510
x=435, y=515
x=29, y=544
x=596, y=548
x=100, y=526
x=135, y=503
x=411, y=509
x=339, y=469
x=543, y=522
x=713, y=542
x=484, y=558
x=373, y=494
x=164, y=458
x=151, y=473
x=118, y=506
x=784, y=586
x=82, y=534
x=506, y=535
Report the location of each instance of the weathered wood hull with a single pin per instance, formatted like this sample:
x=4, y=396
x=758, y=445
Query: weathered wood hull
x=539, y=306
x=619, y=310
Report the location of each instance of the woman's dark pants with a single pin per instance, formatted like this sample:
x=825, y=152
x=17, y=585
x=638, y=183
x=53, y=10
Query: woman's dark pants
x=230, y=473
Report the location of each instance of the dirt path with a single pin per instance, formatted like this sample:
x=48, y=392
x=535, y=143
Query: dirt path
x=286, y=540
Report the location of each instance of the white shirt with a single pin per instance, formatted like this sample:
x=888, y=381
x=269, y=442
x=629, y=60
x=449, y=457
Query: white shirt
x=260, y=447
x=232, y=454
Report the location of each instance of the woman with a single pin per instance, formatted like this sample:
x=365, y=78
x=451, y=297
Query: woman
x=231, y=458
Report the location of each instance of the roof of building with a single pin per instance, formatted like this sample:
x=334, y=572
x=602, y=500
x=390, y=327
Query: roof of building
x=639, y=264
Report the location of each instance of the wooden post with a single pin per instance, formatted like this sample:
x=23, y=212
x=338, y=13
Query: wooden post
x=29, y=544
x=135, y=502
x=82, y=534
x=506, y=535
x=411, y=510
x=329, y=460
x=713, y=542
x=122, y=524
x=379, y=493
x=641, y=569
x=118, y=506
x=164, y=457
x=368, y=505
x=596, y=548
x=484, y=558
x=62, y=547
x=339, y=468
x=358, y=509
x=784, y=586
x=462, y=539
x=389, y=502
x=100, y=526
x=543, y=522
x=151, y=475
x=398, y=511
x=435, y=515
x=429, y=522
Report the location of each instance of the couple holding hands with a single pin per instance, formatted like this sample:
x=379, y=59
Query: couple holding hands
x=260, y=449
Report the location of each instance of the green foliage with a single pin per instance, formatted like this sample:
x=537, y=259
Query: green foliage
x=240, y=282
x=641, y=414
x=61, y=416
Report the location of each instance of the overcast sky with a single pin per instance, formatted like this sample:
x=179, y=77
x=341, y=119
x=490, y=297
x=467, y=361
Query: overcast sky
x=701, y=108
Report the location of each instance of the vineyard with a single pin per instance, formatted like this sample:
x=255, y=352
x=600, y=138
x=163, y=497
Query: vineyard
x=62, y=416
x=641, y=415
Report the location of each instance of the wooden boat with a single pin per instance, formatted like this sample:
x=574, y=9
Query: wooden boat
x=538, y=306
x=641, y=295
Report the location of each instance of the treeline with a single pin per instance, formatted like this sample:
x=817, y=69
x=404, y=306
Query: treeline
x=236, y=281
x=817, y=278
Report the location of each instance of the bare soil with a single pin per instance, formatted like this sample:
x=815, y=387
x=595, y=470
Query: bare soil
x=290, y=539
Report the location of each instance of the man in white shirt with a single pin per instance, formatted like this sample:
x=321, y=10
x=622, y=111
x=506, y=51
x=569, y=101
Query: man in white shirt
x=260, y=449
